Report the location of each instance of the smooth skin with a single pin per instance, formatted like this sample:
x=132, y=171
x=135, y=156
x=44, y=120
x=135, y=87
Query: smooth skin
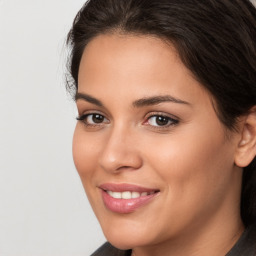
x=175, y=143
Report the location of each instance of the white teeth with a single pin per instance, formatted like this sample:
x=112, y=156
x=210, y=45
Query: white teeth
x=116, y=194
x=110, y=193
x=128, y=194
x=135, y=194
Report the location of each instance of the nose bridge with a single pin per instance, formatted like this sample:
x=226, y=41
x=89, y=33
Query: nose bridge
x=120, y=151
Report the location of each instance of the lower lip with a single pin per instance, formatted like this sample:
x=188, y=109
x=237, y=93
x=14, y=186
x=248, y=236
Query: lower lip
x=125, y=205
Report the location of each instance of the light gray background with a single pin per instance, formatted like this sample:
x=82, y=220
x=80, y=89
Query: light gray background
x=43, y=208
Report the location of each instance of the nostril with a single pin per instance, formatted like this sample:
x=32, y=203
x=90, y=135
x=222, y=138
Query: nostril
x=124, y=167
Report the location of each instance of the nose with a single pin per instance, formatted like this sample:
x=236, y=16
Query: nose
x=120, y=152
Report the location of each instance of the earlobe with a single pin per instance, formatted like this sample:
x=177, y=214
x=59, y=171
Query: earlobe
x=246, y=149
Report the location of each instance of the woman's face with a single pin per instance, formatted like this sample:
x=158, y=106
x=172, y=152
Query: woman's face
x=153, y=157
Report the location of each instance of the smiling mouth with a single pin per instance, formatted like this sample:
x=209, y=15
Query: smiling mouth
x=126, y=198
x=129, y=194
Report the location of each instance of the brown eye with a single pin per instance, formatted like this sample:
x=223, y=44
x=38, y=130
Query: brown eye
x=96, y=118
x=162, y=120
x=158, y=120
x=93, y=119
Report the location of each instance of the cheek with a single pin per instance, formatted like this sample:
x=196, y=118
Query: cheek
x=85, y=153
x=191, y=163
x=192, y=171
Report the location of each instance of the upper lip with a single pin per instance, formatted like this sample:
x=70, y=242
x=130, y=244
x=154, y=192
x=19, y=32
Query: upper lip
x=122, y=187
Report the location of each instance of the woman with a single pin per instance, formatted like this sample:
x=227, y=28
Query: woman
x=165, y=141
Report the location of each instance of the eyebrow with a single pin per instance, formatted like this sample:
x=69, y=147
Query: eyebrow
x=88, y=98
x=146, y=101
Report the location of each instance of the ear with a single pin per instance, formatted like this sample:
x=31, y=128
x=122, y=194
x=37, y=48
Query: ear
x=246, y=149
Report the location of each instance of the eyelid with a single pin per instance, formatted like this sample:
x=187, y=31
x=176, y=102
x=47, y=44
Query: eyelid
x=175, y=120
x=158, y=113
x=90, y=112
x=83, y=116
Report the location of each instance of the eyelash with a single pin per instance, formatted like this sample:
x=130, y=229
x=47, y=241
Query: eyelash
x=83, y=118
x=171, y=121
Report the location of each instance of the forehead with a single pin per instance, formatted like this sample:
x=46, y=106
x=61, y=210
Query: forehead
x=119, y=64
x=137, y=51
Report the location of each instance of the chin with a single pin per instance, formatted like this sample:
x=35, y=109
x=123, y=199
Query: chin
x=126, y=243
x=127, y=238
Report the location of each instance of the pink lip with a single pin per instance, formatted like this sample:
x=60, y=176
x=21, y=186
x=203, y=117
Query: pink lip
x=125, y=205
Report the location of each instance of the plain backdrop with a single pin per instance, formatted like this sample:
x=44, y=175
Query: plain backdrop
x=43, y=207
